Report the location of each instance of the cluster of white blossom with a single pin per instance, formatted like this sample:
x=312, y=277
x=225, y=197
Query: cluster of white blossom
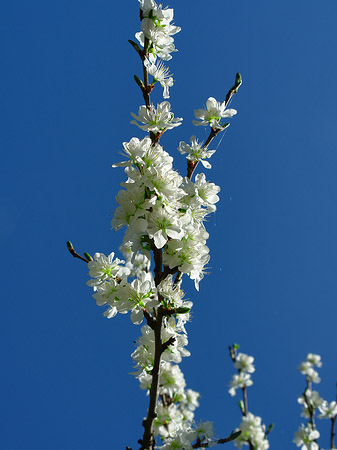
x=244, y=364
x=253, y=431
x=165, y=237
x=157, y=29
x=159, y=204
x=307, y=435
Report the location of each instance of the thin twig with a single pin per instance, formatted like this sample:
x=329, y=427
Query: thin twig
x=75, y=254
x=333, y=434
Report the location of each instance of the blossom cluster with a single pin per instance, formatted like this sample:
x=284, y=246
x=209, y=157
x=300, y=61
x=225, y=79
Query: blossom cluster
x=311, y=401
x=158, y=204
x=244, y=364
x=163, y=215
x=253, y=431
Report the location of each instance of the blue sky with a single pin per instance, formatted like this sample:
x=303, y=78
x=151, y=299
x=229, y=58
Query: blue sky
x=67, y=91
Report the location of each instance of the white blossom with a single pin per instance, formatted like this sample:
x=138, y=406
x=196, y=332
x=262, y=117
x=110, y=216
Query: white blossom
x=196, y=151
x=156, y=120
x=306, y=436
x=311, y=400
x=162, y=75
x=252, y=431
x=314, y=359
x=213, y=114
x=105, y=267
x=239, y=381
x=328, y=410
x=244, y=363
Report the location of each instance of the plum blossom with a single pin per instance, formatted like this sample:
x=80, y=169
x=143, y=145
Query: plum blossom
x=306, y=437
x=156, y=120
x=162, y=75
x=244, y=363
x=196, y=152
x=213, y=114
x=328, y=410
x=239, y=381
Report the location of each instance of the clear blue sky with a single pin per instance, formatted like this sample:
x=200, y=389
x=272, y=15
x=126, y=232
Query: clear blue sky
x=66, y=92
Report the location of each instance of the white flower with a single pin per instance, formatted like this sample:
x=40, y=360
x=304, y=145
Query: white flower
x=205, y=431
x=305, y=437
x=156, y=120
x=162, y=226
x=239, y=381
x=328, y=410
x=252, y=431
x=156, y=26
x=314, y=360
x=311, y=400
x=168, y=420
x=191, y=399
x=171, y=380
x=244, y=363
x=311, y=374
x=160, y=73
x=213, y=113
x=104, y=267
x=196, y=151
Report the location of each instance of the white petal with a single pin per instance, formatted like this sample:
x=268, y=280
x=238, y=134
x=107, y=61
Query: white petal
x=137, y=316
x=206, y=164
x=160, y=239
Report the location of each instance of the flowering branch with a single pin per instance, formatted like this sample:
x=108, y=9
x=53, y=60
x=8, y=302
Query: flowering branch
x=215, y=130
x=165, y=236
x=254, y=433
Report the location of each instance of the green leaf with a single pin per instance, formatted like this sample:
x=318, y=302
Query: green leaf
x=234, y=435
x=135, y=46
x=183, y=310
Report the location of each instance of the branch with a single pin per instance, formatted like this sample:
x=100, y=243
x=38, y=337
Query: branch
x=148, y=441
x=71, y=249
x=149, y=319
x=191, y=165
x=245, y=401
x=231, y=437
x=333, y=434
x=234, y=89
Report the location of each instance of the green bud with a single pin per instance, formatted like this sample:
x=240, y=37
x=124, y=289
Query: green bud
x=139, y=82
x=236, y=346
x=70, y=246
x=238, y=82
x=270, y=428
x=87, y=256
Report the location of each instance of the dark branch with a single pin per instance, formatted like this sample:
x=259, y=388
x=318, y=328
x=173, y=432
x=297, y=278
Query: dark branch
x=76, y=255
